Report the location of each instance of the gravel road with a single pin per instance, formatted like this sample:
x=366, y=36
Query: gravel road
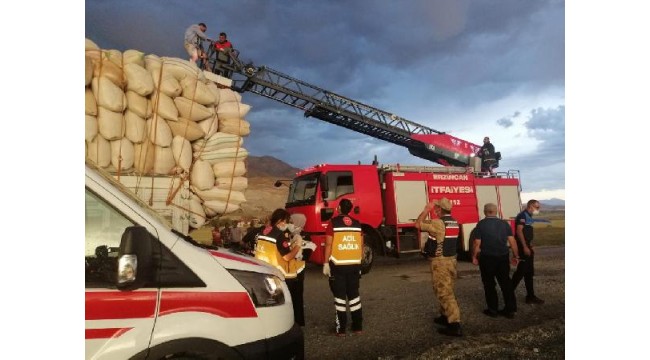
x=399, y=306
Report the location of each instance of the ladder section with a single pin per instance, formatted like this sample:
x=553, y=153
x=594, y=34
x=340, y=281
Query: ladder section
x=342, y=111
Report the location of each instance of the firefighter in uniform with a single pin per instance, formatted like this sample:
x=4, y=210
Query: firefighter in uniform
x=443, y=233
x=274, y=246
x=487, y=155
x=343, y=249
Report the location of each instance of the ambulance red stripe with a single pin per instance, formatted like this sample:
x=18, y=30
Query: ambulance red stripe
x=224, y=304
x=232, y=257
x=105, y=333
x=112, y=305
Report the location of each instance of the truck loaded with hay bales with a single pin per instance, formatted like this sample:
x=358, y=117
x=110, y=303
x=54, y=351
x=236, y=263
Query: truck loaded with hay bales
x=168, y=131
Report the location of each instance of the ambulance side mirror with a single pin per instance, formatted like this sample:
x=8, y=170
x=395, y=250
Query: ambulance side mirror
x=135, y=259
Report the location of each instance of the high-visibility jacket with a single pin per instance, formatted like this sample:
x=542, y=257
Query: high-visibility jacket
x=347, y=241
x=266, y=249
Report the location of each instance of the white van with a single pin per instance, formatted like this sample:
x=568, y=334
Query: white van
x=153, y=293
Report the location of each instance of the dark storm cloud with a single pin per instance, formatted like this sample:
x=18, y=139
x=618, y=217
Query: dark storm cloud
x=545, y=165
x=504, y=122
x=403, y=57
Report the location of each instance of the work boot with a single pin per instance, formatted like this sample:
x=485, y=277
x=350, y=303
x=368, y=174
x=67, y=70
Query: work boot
x=453, y=329
x=490, y=313
x=507, y=314
x=534, y=300
x=441, y=320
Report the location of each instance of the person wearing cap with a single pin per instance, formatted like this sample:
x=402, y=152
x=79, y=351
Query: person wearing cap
x=343, y=252
x=491, y=239
x=443, y=232
x=487, y=155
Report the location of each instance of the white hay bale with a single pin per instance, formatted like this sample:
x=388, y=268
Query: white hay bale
x=138, y=79
x=122, y=154
x=221, y=155
x=230, y=168
x=214, y=89
x=209, y=126
x=91, y=103
x=234, y=126
x=231, y=196
x=181, y=69
x=227, y=95
x=197, y=91
x=238, y=183
x=90, y=45
x=192, y=110
x=232, y=110
x=139, y=104
x=197, y=214
x=114, y=56
x=91, y=128
x=99, y=151
x=108, y=94
x=164, y=106
x=159, y=132
x=182, y=150
x=143, y=157
x=185, y=128
x=136, y=127
x=220, y=207
x=163, y=160
x=132, y=56
x=218, y=141
x=89, y=70
x=201, y=175
x=106, y=68
x=110, y=123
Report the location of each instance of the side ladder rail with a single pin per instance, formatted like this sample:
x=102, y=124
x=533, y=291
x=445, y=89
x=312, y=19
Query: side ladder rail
x=286, y=89
x=339, y=110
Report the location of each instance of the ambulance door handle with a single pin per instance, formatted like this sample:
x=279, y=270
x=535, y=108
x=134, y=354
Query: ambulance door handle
x=357, y=210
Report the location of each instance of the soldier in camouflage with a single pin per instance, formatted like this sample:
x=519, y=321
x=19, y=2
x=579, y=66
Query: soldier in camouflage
x=444, y=232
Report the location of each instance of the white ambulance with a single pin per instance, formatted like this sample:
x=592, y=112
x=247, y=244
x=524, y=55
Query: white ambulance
x=153, y=293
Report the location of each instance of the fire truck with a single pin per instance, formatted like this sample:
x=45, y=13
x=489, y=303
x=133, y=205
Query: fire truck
x=387, y=198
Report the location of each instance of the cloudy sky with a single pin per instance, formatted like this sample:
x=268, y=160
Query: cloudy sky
x=468, y=68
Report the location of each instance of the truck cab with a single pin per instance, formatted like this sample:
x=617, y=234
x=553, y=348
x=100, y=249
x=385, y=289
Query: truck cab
x=317, y=191
x=152, y=292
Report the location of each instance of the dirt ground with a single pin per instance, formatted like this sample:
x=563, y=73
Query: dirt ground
x=399, y=306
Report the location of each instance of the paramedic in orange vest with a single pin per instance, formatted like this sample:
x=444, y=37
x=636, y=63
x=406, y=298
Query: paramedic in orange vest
x=274, y=246
x=444, y=232
x=343, y=249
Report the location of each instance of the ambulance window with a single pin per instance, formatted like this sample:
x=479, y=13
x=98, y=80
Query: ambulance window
x=340, y=183
x=104, y=228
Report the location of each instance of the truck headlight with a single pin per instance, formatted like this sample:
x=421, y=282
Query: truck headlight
x=264, y=289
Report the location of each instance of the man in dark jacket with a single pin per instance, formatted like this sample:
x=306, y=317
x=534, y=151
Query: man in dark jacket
x=487, y=155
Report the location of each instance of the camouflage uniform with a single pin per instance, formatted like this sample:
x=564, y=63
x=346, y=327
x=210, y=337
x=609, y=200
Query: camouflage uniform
x=443, y=272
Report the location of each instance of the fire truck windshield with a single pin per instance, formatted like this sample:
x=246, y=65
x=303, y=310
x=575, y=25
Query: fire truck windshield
x=303, y=190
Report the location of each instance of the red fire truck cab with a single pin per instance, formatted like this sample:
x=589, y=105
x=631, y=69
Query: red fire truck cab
x=387, y=200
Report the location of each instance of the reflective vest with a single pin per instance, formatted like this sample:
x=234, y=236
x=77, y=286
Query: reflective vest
x=452, y=230
x=266, y=249
x=347, y=241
